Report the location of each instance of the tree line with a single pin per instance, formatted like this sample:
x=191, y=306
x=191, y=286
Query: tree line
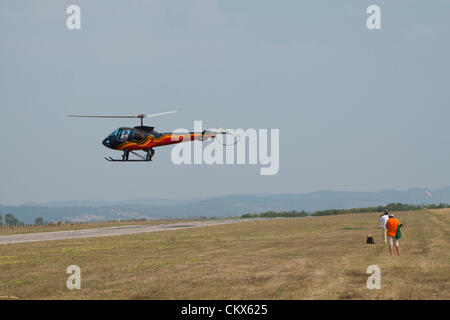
x=274, y=214
x=10, y=220
x=391, y=207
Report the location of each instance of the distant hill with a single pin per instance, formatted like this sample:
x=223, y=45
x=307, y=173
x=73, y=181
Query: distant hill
x=224, y=206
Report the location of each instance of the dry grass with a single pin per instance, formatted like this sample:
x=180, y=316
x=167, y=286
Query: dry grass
x=298, y=258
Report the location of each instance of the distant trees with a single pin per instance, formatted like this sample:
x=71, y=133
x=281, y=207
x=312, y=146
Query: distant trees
x=11, y=220
x=438, y=206
x=274, y=214
x=39, y=221
x=391, y=207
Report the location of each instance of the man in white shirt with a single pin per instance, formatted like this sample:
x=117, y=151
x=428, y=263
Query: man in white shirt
x=383, y=219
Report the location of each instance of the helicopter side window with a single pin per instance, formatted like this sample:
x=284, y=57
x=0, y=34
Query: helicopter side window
x=156, y=134
x=136, y=135
x=124, y=134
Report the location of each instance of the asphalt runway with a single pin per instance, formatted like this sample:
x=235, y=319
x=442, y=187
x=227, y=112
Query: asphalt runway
x=111, y=231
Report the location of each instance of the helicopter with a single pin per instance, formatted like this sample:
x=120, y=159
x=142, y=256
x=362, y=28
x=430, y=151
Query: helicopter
x=145, y=138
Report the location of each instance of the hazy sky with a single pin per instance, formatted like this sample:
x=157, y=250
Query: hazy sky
x=357, y=109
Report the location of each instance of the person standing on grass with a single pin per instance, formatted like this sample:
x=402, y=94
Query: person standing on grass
x=383, y=219
x=391, y=225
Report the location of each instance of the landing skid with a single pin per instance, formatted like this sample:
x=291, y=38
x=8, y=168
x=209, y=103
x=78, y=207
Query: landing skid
x=146, y=158
x=129, y=160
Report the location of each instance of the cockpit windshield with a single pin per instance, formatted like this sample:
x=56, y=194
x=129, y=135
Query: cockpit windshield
x=113, y=135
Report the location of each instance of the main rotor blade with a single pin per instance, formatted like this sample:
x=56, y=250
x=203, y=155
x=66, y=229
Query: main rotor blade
x=125, y=117
x=155, y=114
x=83, y=116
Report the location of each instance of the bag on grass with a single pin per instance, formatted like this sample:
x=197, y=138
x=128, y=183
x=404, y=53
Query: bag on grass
x=370, y=239
x=399, y=233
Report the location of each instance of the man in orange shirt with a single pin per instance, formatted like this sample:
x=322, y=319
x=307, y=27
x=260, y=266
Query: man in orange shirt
x=391, y=227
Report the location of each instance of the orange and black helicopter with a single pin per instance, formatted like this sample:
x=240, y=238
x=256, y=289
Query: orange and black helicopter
x=145, y=138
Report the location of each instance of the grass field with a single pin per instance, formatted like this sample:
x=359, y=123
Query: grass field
x=296, y=258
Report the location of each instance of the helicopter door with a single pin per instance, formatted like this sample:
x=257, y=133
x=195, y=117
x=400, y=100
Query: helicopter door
x=124, y=135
